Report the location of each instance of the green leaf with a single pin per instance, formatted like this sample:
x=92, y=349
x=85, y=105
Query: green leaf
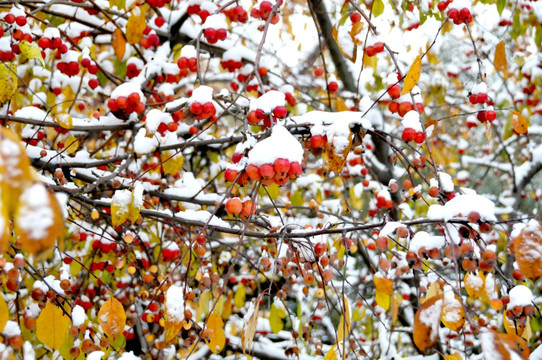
x=378, y=7
x=274, y=191
x=120, y=68
x=296, y=198
x=538, y=36
x=500, y=6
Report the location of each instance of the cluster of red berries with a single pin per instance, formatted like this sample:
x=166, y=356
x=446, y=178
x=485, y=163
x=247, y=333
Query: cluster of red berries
x=187, y=64
x=264, y=11
x=403, y=107
x=460, y=16
x=123, y=106
x=231, y=65
x=277, y=173
x=7, y=55
x=170, y=254
x=132, y=70
x=383, y=200
x=19, y=20
x=164, y=127
x=158, y=3
x=290, y=98
x=203, y=111
x=479, y=98
x=69, y=68
x=237, y=13
x=54, y=44
x=409, y=134
x=257, y=116
x=486, y=115
x=374, y=49
x=213, y=35
x=152, y=314
x=104, y=247
x=150, y=39
x=237, y=207
x=196, y=10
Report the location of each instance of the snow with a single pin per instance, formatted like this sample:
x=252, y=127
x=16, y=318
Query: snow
x=137, y=195
x=143, y=144
x=520, y=295
x=202, y=94
x=154, y=118
x=189, y=51
x=268, y=101
x=446, y=182
x=11, y=329
x=78, y=316
x=28, y=351
x=281, y=144
x=32, y=112
x=422, y=239
x=389, y=228
x=412, y=120
x=480, y=88
x=175, y=303
x=35, y=215
x=128, y=355
x=461, y=206
x=202, y=216
x=95, y=355
x=122, y=198
x=216, y=21
x=431, y=318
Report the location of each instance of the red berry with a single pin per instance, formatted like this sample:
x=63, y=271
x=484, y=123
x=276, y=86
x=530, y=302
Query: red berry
x=355, y=17
x=318, y=71
x=419, y=138
x=236, y=157
x=280, y=111
x=9, y=18
x=394, y=91
x=112, y=104
x=378, y=47
x=234, y=206
x=409, y=134
x=122, y=102
x=172, y=126
x=453, y=14
x=45, y=43
x=230, y=175
x=481, y=98
x=281, y=166
x=267, y=171
x=139, y=108
x=93, y=83
x=490, y=115
x=333, y=87
x=295, y=170
x=196, y=108
x=317, y=141
x=370, y=51
x=221, y=34
x=159, y=21
x=253, y=172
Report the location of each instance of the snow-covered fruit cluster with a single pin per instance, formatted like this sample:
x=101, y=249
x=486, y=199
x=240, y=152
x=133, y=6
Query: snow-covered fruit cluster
x=125, y=100
x=201, y=103
x=214, y=28
x=274, y=160
x=268, y=107
x=478, y=95
x=412, y=128
x=236, y=207
x=264, y=10
x=187, y=60
x=460, y=12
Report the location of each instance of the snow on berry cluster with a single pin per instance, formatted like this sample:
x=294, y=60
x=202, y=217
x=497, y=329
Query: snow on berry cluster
x=263, y=10
x=273, y=160
x=201, y=103
x=159, y=121
x=232, y=60
x=187, y=61
x=460, y=11
x=269, y=106
x=201, y=8
x=478, y=95
x=134, y=66
x=125, y=100
x=69, y=63
x=402, y=104
x=215, y=28
x=412, y=128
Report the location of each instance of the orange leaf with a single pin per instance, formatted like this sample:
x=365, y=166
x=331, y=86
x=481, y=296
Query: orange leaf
x=413, y=75
x=112, y=318
x=52, y=326
x=38, y=219
x=519, y=123
x=427, y=323
x=119, y=43
x=500, y=61
x=528, y=251
x=383, y=284
x=334, y=158
x=344, y=326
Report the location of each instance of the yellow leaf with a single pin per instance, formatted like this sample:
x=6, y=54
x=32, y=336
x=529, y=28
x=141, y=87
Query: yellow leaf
x=356, y=28
x=217, y=339
x=247, y=336
x=52, y=326
x=71, y=144
x=382, y=299
x=396, y=301
x=453, y=315
x=454, y=356
x=120, y=206
x=331, y=355
x=136, y=203
x=64, y=120
x=335, y=158
x=434, y=289
x=119, y=43
x=38, y=219
x=8, y=81
x=276, y=315
x=31, y=51
x=528, y=251
x=500, y=61
x=383, y=284
x=519, y=123
x=344, y=323
x=203, y=307
x=413, y=75
x=4, y=312
x=112, y=318
x=474, y=284
x=340, y=105
x=134, y=28
x=173, y=323
x=5, y=233
x=427, y=323
x=239, y=298
x=172, y=162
